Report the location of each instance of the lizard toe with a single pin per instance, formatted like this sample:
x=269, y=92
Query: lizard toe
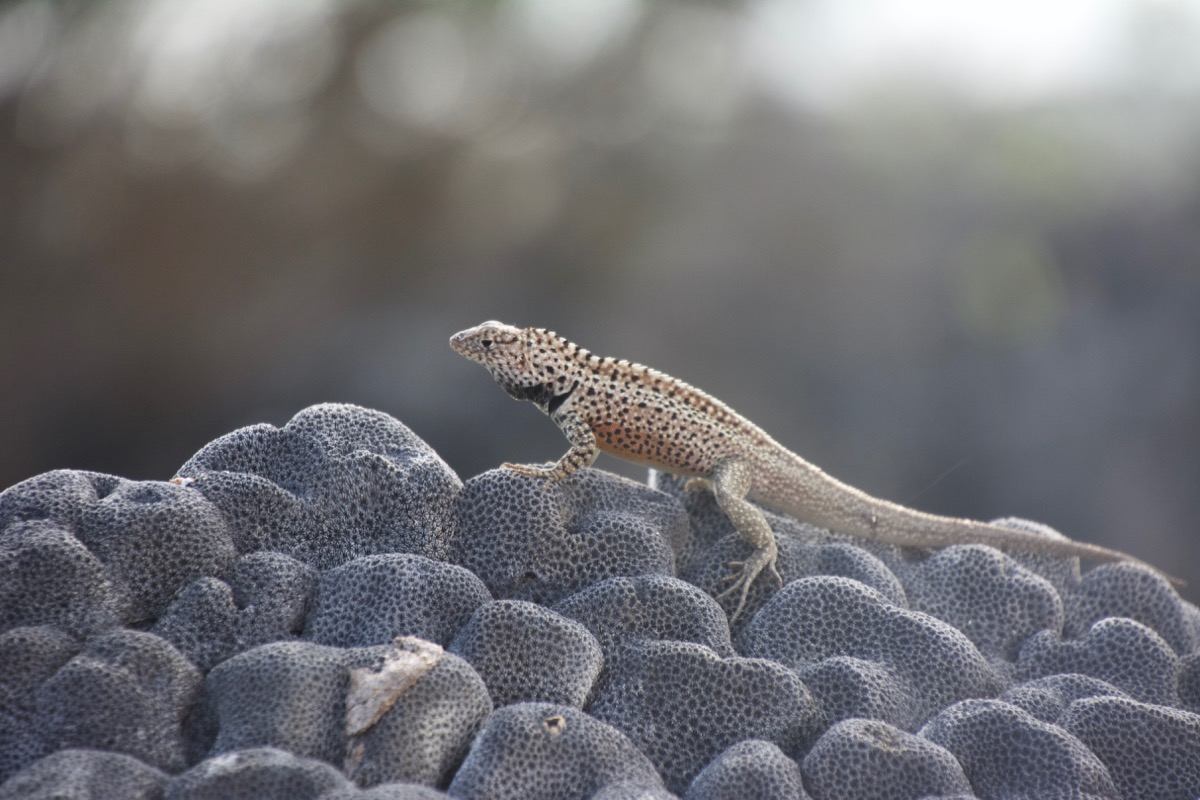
x=736, y=570
x=743, y=574
x=741, y=583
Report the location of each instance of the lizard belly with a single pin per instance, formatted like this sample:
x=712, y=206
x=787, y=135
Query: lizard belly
x=649, y=447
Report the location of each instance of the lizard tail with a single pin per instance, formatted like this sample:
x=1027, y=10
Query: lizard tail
x=859, y=514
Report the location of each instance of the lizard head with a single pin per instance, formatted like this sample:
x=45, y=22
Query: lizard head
x=503, y=349
x=493, y=344
x=529, y=363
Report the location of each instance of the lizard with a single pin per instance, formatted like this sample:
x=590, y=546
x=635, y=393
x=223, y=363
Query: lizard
x=647, y=417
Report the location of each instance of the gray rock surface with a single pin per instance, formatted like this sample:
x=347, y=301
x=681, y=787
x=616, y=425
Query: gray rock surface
x=257, y=773
x=28, y=658
x=86, y=775
x=426, y=727
x=265, y=600
x=1134, y=592
x=526, y=653
x=48, y=577
x=125, y=691
x=682, y=704
x=1005, y=752
x=813, y=619
x=1120, y=651
x=986, y=595
x=374, y=599
x=1152, y=752
x=293, y=696
x=1048, y=698
x=387, y=791
x=856, y=688
x=117, y=520
x=869, y=758
x=658, y=607
x=1189, y=682
x=752, y=768
x=273, y=624
x=335, y=483
x=528, y=541
x=288, y=695
x=542, y=751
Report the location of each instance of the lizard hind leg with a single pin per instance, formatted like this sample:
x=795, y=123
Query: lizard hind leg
x=730, y=483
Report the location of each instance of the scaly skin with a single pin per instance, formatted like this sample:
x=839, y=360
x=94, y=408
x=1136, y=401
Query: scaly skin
x=647, y=417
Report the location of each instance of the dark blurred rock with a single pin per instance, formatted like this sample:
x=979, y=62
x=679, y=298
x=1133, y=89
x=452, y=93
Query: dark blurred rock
x=85, y=775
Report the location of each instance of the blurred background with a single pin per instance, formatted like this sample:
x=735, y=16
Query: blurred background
x=949, y=252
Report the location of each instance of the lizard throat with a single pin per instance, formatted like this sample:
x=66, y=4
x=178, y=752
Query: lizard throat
x=541, y=395
x=557, y=400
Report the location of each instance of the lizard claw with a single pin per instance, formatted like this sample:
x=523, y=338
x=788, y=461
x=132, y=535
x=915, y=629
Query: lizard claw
x=775, y=574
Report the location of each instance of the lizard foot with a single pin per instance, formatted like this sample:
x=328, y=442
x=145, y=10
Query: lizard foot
x=551, y=472
x=744, y=574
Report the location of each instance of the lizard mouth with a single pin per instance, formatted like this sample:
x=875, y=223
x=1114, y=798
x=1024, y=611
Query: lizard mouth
x=467, y=346
x=458, y=342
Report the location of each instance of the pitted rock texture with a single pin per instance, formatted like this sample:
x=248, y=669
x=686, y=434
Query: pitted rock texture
x=273, y=624
x=125, y=691
x=374, y=599
x=1062, y=573
x=335, y=483
x=28, y=658
x=86, y=774
x=265, y=600
x=150, y=537
x=289, y=695
x=1048, y=698
x=1189, y=682
x=526, y=653
x=1118, y=650
x=986, y=595
x=48, y=577
x=752, y=768
x=682, y=704
x=857, y=688
x=293, y=696
x=622, y=610
x=257, y=772
x=387, y=791
x=529, y=540
x=1134, y=592
x=542, y=751
x=1005, y=752
x=1150, y=751
x=813, y=619
x=869, y=758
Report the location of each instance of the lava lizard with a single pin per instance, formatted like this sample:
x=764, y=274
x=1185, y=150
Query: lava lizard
x=645, y=416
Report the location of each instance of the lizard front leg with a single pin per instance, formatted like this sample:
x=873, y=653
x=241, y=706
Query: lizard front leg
x=583, y=450
x=730, y=483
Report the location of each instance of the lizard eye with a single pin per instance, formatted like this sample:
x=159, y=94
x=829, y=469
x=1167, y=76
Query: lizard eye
x=486, y=343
